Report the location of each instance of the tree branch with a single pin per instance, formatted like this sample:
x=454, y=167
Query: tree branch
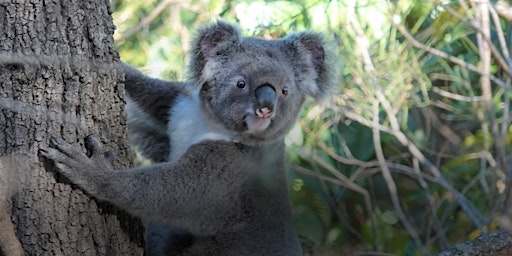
x=497, y=244
x=146, y=21
x=444, y=55
x=482, y=30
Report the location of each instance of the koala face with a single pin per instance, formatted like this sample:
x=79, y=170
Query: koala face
x=253, y=93
x=255, y=87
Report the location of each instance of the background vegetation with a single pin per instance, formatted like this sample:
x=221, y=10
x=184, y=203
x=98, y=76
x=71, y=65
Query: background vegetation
x=413, y=155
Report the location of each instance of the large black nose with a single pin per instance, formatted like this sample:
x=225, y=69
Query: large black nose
x=265, y=97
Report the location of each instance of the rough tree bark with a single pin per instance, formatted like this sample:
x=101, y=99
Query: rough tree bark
x=59, y=77
x=496, y=244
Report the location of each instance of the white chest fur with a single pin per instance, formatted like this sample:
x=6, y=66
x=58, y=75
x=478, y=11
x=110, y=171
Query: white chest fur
x=188, y=126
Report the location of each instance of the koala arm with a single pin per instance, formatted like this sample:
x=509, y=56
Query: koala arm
x=153, y=96
x=194, y=193
x=148, y=103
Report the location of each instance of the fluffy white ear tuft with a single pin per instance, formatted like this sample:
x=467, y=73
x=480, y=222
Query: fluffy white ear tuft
x=217, y=37
x=221, y=38
x=314, y=65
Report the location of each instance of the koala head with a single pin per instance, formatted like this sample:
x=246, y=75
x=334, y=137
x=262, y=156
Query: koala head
x=254, y=87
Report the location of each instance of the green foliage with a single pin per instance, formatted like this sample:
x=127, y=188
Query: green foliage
x=425, y=112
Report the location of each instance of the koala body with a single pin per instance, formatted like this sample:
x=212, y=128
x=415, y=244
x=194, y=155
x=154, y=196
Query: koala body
x=218, y=185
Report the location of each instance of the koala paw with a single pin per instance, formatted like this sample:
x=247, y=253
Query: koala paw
x=78, y=167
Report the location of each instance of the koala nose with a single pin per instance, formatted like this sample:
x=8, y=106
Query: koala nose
x=265, y=98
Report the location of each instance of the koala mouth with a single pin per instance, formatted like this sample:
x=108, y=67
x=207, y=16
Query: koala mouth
x=258, y=121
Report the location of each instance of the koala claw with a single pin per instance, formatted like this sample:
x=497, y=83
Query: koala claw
x=93, y=146
x=87, y=170
x=61, y=160
x=95, y=150
x=59, y=151
x=110, y=156
x=71, y=161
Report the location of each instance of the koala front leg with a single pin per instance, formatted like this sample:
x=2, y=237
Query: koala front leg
x=196, y=193
x=93, y=172
x=83, y=170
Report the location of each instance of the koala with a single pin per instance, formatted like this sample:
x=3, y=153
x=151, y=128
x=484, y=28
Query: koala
x=218, y=184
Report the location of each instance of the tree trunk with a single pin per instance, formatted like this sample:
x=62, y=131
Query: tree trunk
x=59, y=77
x=496, y=244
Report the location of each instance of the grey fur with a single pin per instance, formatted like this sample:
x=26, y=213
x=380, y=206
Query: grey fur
x=147, y=107
x=225, y=182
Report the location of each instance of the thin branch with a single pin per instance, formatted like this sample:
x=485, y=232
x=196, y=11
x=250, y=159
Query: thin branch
x=326, y=149
x=337, y=182
x=464, y=6
x=386, y=174
x=339, y=176
x=481, y=32
x=470, y=210
x=363, y=45
x=504, y=48
x=454, y=96
x=444, y=55
x=472, y=213
x=499, y=33
x=483, y=29
x=360, y=119
x=146, y=21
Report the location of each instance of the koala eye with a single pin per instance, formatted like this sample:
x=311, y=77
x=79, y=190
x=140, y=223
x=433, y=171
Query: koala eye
x=240, y=84
x=285, y=90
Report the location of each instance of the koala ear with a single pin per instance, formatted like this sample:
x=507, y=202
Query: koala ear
x=214, y=41
x=218, y=37
x=316, y=71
